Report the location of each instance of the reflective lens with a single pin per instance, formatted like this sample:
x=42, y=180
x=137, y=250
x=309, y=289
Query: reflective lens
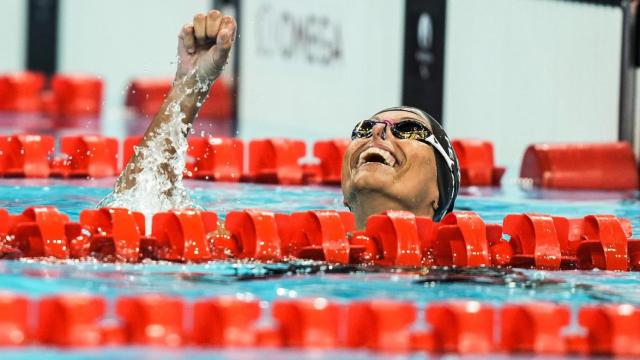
x=410, y=129
x=363, y=129
x=407, y=129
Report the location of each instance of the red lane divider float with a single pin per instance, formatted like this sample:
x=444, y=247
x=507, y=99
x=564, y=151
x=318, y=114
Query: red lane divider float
x=14, y=319
x=319, y=235
x=74, y=96
x=394, y=238
x=308, y=323
x=534, y=328
x=117, y=234
x=42, y=231
x=20, y=92
x=276, y=161
x=181, y=235
x=330, y=153
x=609, y=166
x=26, y=155
x=215, y=158
x=381, y=325
x=226, y=321
x=70, y=320
x=281, y=161
x=87, y=156
x=254, y=234
x=462, y=241
x=155, y=320
x=477, y=167
x=146, y=95
x=462, y=327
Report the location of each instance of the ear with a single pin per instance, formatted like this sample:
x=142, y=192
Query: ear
x=344, y=202
x=434, y=206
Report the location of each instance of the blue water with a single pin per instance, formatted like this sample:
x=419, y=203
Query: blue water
x=308, y=279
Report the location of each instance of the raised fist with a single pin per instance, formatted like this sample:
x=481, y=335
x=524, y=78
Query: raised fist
x=204, y=45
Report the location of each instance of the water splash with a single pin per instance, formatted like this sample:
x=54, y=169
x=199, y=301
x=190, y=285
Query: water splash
x=158, y=183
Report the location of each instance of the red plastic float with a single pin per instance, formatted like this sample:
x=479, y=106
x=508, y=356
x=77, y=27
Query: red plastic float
x=609, y=166
x=383, y=325
x=319, y=235
x=226, y=321
x=152, y=319
x=14, y=324
x=605, y=244
x=461, y=240
x=71, y=320
x=43, y=231
x=116, y=233
x=534, y=328
x=183, y=235
x=145, y=96
x=611, y=329
x=87, y=155
x=308, y=323
x=330, y=153
x=500, y=249
x=569, y=233
x=219, y=102
x=398, y=241
x=75, y=96
x=477, y=167
x=26, y=155
x=634, y=254
x=461, y=327
x=534, y=241
x=21, y=92
x=276, y=161
x=255, y=233
x=216, y=158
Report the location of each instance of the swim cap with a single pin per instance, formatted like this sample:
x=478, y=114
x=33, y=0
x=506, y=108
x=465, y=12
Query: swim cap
x=448, y=179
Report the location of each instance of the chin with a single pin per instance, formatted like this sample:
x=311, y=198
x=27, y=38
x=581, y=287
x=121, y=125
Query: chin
x=370, y=180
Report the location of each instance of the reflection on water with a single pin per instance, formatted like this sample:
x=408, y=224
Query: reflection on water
x=312, y=279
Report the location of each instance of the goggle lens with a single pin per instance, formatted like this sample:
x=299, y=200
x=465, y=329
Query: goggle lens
x=407, y=129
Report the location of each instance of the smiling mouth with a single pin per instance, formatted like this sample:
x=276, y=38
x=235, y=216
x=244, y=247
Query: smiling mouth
x=376, y=155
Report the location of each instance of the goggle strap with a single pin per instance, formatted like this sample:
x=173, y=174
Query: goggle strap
x=431, y=139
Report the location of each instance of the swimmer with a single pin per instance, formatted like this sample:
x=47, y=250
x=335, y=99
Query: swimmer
x=399, y=159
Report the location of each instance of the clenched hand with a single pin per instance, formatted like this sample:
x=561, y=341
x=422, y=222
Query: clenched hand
x=204, y=45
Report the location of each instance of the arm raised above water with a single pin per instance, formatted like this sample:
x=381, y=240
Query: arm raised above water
x=203, y=50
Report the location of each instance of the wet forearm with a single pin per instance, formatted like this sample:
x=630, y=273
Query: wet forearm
x=181, y=105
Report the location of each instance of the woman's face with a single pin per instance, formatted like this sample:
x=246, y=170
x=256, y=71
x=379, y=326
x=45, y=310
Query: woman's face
x=384, y=168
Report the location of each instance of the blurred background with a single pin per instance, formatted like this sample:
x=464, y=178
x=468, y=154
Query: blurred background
x=513, y=72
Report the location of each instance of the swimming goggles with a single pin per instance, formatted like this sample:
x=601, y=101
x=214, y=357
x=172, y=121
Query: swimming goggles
x=404, y=130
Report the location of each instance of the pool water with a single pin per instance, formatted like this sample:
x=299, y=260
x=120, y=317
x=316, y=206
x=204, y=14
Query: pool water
x=305, y=278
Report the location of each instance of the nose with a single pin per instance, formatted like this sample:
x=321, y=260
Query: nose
x=380, y=131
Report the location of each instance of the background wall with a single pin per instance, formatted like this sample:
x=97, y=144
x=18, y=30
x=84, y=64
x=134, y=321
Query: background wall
x=122, y=39
x=312, y=69
x=516, y=71
x=523, y=71
x=13, y=27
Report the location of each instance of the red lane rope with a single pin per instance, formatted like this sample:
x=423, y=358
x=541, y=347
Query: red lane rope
x=609, y=166
x=394, y=238
x=380, y=325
